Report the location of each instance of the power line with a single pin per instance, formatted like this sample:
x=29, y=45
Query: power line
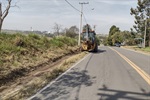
x=80, y=28
x=77, y=10
x=83, y=3
x=72, y=6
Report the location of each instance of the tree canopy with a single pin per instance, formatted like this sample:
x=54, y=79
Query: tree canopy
x=113, y=30
x=111, y=36
x=72, y=31
x=118, y=36
x=142, y=17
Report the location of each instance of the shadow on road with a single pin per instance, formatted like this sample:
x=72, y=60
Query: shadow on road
x=111, y=94
x=61, y=88
x=99, y=51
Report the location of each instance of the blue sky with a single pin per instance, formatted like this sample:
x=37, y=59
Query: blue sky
x=42, y=14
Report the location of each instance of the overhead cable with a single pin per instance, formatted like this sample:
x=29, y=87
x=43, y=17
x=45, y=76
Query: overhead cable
x=72, y=6
x=77, y=10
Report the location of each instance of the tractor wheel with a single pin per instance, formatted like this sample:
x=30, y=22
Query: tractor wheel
x=96, y=48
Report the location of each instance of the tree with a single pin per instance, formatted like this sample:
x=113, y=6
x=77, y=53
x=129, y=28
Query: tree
x=57, y=28
x=117, y=37
x=4, y=13
x=142, y=17
x=128, y=37
x=112, y=31
x=72, y=31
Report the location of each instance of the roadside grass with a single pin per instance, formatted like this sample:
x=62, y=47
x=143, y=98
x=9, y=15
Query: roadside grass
x=145, y=50
x=22, y=53
x=15, y=43
x=45, y=77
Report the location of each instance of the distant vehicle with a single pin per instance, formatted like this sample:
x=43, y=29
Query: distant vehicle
x=117, y=44
x=88, y=40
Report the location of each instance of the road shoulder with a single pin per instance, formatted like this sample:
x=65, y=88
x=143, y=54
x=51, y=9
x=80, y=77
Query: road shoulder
x=134, y=50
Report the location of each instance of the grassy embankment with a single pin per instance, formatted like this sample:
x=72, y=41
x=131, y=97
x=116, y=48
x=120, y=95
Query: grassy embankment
x=22, y=54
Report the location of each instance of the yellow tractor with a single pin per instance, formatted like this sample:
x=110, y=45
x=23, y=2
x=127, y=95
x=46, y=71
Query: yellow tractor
x=89, y=41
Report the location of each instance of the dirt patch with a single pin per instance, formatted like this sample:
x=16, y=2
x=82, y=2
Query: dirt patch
x=31, y=81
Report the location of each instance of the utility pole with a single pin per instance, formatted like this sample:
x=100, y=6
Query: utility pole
x=80, y=26
x=145, y=33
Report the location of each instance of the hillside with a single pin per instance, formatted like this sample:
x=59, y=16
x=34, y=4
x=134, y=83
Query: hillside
x=21, y=54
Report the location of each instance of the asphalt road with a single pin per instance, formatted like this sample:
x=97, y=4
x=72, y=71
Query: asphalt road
x=103, y=76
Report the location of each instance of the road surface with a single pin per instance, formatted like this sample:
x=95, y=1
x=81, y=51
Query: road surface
x=111, y=74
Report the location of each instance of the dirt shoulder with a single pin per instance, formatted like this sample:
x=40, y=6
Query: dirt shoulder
x=31, y=82
x=137, y=49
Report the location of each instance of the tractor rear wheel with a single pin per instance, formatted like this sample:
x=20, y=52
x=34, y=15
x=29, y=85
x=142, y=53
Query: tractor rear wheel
x=96, y=48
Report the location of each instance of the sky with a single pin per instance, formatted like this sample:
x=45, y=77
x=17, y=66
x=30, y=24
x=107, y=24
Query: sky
x=42, y=14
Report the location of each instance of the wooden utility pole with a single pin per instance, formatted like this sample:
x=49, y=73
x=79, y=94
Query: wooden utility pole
x=80, y=27
x=145, y=33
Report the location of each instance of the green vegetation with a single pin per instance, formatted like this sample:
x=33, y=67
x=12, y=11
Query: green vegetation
x=62, y=41
x=22, y=53
x=72, y=32
x=112, y=39
x=142, y=18
x=142, y=23
x=147, y=49
x=118, y=36
x=16, y=43
x=33, y=57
